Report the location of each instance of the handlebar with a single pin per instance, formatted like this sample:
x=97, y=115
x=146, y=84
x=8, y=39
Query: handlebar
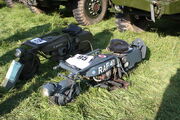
x=63, y=65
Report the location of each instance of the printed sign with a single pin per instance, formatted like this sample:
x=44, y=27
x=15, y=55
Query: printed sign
x=106, y=66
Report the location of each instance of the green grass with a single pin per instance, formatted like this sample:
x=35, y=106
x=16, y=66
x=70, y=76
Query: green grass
x=155, y=83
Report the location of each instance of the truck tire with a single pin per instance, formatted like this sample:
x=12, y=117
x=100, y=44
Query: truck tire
x=9, y=3
x=126, y=22
x=88, y=12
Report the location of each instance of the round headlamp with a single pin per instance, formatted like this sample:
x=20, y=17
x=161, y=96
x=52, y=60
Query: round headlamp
x=48, y=89
x=18, y=52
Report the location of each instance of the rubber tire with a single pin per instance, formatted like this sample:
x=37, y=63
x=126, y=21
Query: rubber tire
x=82, y=18
x=125, y=22
x=9, y=3
x=30, y=68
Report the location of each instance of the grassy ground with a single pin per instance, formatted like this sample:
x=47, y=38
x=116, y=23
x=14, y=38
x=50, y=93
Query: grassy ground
x=155, y=83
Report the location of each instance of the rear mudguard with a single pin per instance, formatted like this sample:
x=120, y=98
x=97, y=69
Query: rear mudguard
x=12, y=75
x=141, y=45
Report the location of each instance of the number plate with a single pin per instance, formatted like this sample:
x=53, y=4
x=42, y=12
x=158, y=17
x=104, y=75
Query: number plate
x=80, y=61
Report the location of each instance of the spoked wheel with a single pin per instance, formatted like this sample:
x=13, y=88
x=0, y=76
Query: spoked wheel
x=127, y=22
x=88, y=12
x=30, y=68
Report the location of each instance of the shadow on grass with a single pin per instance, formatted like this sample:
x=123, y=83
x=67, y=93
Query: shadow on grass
x=108, y=15
x=13, y=101
x=65, y=12
x=170, y=106
x=2, y=5
x=166, y=27
x=37, y=30
x=102, y=38
x=34, y=31
x=148, y=54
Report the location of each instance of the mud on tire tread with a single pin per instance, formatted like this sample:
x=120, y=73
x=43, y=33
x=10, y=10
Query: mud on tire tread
x=82, y=18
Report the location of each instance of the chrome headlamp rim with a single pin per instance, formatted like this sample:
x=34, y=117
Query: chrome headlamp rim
x=48, y=89
x=18, y=52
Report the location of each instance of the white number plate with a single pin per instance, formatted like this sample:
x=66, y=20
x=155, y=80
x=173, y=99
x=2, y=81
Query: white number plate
x=80, y=61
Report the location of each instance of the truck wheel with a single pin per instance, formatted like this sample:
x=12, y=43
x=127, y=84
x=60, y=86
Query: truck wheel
x=30, y=68
x=125, y=22
x=9, y=3
x=88, y=12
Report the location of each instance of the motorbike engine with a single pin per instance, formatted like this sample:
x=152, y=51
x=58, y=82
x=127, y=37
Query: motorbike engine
x=103, y=77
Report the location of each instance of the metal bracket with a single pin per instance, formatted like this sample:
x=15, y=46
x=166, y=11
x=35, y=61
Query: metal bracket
x=152, y=10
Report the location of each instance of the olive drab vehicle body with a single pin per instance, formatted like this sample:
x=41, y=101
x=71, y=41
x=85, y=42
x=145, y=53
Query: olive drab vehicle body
x=161, y=7
x=133, y=12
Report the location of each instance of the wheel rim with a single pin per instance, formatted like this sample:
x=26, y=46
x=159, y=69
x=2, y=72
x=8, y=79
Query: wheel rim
x=93, y=8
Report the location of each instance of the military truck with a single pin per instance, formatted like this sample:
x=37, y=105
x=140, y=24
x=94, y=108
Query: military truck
x=134, y=14
x=86, y=12
x=131, y=14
